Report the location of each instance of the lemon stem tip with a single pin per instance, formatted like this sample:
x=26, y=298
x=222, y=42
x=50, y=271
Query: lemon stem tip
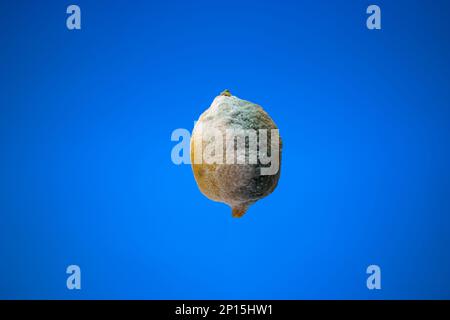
x=226, y=93
x=238, y=212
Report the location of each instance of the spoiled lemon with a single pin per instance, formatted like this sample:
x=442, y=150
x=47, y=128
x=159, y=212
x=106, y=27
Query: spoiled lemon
x=235, y=153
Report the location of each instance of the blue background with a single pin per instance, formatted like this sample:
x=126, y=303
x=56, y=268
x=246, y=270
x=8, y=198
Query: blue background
x=86, y=175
